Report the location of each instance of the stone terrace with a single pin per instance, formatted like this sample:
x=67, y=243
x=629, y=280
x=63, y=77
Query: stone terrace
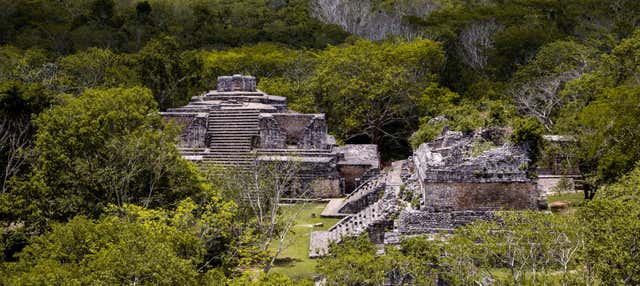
x=238, y=126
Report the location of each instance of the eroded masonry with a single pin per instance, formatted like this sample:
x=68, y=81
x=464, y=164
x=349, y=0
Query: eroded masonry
x=238, y=126
x=448, y=182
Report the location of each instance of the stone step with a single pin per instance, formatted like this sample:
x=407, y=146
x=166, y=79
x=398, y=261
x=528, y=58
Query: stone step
x=221, y=128
x=230, y=162
x=233, y=133
x=216, y=131
x=237, y=156
x=229, y=155
x=232, y=123
x=227, y=120
x=230, y=151
x=227, y=158
x=230, y=139
x=222, y=151
x=233, y=116
x=237, y=121
x=240, y=134
x=228, y=124
x=218, y=148
x=241, y=143
x=243, y=139
x=235, y=112
x=229, y=128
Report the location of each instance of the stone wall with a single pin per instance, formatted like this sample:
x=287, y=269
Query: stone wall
x=326, y=187
x=317, y=176
x=314, y=134
x=272, y=136
x=351, y=175
x=236, y=83
x=306, y=131
x=446, y=197
x=194, y=128
x=551, y=184
x=419, y=222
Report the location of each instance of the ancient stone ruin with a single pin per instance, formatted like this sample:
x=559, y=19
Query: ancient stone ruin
x=448, y=182
x=238, y=126
x=557, y=170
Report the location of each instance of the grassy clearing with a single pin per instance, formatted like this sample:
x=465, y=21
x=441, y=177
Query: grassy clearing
x=294, y=260
x=575, y=199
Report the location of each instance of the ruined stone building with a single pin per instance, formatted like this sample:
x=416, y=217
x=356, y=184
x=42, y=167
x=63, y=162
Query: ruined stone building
x=557, y=170
x=448, y=182
x=238, y=126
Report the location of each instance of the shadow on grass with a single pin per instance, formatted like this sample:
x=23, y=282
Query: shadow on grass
x=286, y=261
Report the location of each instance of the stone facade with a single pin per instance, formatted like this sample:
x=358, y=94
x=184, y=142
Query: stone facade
x=421, y=222
x=305, y=131
x=462, y=178
x=453, y=178
x=238, y=126
x=271, y=134
x=236, y=83
x=473, y=196
x=557, y=170
x=195, y=129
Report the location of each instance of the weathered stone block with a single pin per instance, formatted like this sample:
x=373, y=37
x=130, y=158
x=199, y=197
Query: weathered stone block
x=236, y=83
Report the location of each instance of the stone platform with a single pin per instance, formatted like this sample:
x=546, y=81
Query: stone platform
x=237, y=126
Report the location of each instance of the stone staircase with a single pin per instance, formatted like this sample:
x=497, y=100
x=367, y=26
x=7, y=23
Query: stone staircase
x=351, y=226
x=364, y=195
x=376, y=214
x=230, y=133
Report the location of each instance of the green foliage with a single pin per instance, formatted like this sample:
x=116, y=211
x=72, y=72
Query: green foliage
x=19, y=102
x=369, y=89
x=607, y=119
x=522, y=248
x=163, y=69
x=126, y=26
x=137, y=246
x=527, y=132
x=94, y=68
x=271, y=279
x=466, y=116
x=613, y=228
x=353, y=262
x=106, y=146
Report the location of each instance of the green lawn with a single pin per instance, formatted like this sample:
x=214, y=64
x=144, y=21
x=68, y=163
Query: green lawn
x=294, y=260
x=574, y=199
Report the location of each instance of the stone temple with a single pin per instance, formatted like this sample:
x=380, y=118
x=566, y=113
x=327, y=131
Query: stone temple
x=238, y=126
x=448, y=182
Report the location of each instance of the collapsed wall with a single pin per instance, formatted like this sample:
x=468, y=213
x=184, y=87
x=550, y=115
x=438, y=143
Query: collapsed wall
x=462, y=178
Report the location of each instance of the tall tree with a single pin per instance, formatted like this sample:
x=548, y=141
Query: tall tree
x=106, y=146
x=370, y=90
